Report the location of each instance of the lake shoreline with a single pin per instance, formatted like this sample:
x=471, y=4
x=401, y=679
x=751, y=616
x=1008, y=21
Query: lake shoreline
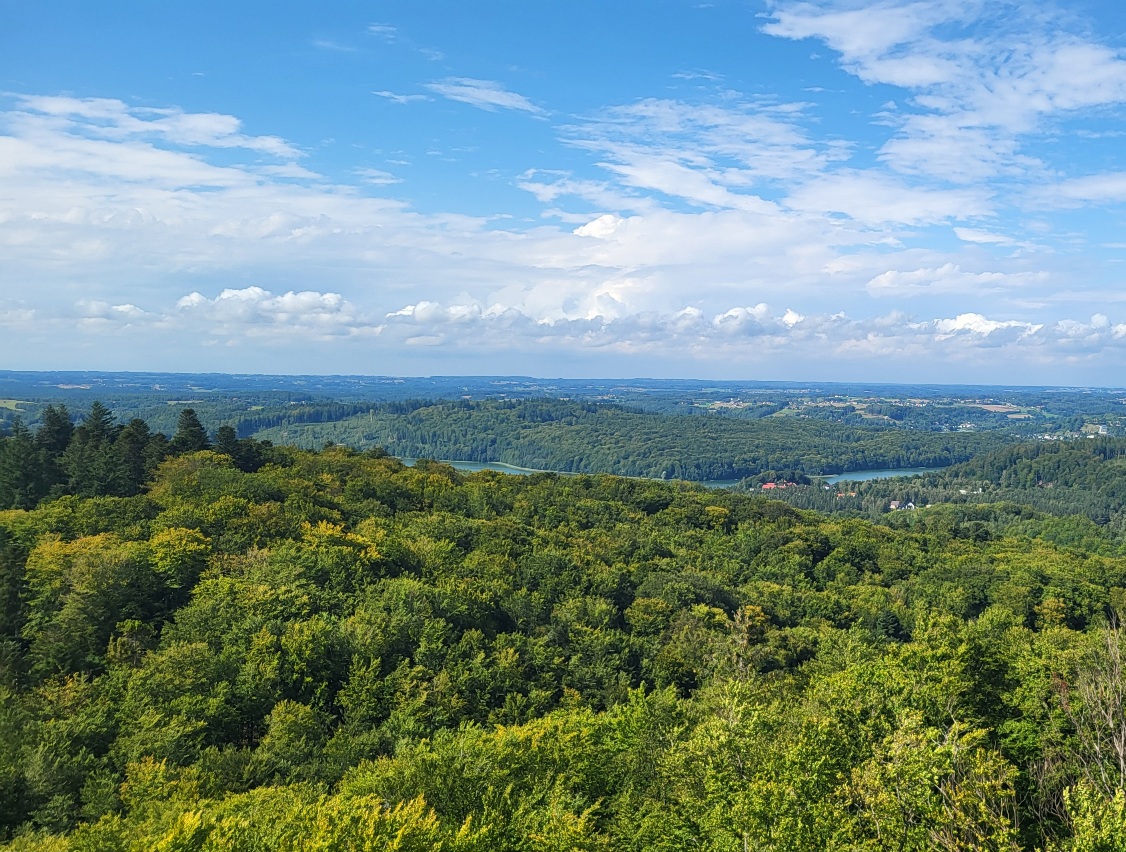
x=833, y=479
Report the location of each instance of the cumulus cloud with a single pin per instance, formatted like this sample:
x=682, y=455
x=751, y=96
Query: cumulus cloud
x=16, y=315
x=615, y=329
x=691, y=220
x=127, y=313
x=600, y=228
x=255, y=310
x=757, y=332
x=431, y=313
x=979, y=325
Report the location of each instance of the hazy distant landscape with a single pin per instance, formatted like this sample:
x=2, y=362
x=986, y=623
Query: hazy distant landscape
x=659, y=429
x=1053, y=448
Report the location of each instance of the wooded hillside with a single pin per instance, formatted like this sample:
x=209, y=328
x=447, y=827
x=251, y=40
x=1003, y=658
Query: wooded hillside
x=334, y=651
x=585, y=437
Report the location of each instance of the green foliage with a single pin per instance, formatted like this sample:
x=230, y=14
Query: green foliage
x=100, y=458
x=333, y=650
x=190, y=435
x=583, y=437
x=1099, y=823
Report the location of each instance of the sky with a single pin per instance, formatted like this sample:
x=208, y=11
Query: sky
x=904, y=190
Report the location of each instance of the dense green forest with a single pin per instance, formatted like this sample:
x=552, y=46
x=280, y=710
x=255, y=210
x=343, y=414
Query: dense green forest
x=586, y=437
x=236, y=646
x=100, y=457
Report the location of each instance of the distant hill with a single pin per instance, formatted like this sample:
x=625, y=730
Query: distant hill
x=584, y=437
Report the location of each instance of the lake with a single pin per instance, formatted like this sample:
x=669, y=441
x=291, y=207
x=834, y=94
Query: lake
x=853, y=476
x=863, y=475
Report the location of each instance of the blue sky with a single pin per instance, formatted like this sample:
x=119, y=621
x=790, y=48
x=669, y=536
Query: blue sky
x=907, y=190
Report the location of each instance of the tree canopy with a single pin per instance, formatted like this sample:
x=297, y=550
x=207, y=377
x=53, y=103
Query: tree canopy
x=329, y=649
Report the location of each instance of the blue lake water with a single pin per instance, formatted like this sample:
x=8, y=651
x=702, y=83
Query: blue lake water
x=863, y=475
x=853, y=476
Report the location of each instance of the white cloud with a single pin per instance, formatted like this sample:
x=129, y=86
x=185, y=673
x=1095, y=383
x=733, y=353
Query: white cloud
x=700, y=218
x=701, y=74
x=255, y=312
x=873, y=198
x=721, y=151
x=329, y=44
x=103, y=310
x=977, y=324
x=250, y=316
x=400, y=99
x=862, y=33
x=975, y=235
x=486, y=94
x=601, y=228
x=548, y=186
x=633, y=331
x=1108, y=187
x=256, y=304
x=755, y=157
x=757, y=333
x=377, y=177
x=949, y=278
x=983, y=75
x=732, y=322
x=113, y=119
x=16, y=315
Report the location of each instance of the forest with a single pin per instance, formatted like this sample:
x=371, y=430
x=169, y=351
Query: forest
x=588, y=437
x=212, y=643
x=249, y=403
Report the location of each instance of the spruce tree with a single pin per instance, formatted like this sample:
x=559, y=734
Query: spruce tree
x=190, y=435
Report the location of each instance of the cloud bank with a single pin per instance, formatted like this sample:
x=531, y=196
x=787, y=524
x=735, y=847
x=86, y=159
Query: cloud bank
x=741, y=232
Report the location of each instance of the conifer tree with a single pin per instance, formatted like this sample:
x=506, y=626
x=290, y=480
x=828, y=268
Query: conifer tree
x=190, y=435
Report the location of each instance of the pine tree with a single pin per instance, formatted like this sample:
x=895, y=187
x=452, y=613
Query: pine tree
x=90, y=460
x=133, y=459
x=55, y=431
x=190, y=435
x=51, y=440
x=226, y=442
x=19, y=469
